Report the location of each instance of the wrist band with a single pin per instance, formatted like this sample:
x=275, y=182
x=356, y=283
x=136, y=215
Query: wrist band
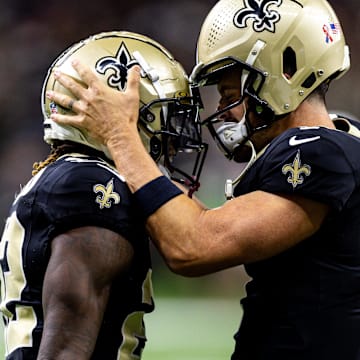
x=154, y=194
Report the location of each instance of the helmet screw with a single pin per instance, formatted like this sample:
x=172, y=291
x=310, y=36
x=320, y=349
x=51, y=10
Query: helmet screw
x=149, y=117
x=254, y=52
x=321, y=72
x=286, y=106
x=266, y=74
x=301, y=92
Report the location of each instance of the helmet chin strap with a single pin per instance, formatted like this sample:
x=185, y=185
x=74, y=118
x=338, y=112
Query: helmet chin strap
x=230, y=184
x=154, y=77
x=240, y=130
x=233, y=135
x=253, y=55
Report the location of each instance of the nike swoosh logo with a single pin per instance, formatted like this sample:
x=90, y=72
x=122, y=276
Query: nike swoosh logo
x=294, y=141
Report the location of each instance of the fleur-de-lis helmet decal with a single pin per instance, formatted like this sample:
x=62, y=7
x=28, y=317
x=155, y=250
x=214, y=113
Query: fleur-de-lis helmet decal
x=259, y=10
x=118, y=65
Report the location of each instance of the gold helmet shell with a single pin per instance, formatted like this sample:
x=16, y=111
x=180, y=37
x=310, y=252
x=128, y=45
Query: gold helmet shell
x=168, y=113
x=265, y=34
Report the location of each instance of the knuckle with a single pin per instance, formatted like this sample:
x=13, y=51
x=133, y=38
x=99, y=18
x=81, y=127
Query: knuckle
x=82, y=119
x=85, y=106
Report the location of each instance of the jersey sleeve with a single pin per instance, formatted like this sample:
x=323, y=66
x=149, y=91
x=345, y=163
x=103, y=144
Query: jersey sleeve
x=87, y=194
x=319, y=169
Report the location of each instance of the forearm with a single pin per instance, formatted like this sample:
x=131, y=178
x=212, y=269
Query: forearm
x=175, y=239
x=191, y=239
x=66, y=341
x=132, y=160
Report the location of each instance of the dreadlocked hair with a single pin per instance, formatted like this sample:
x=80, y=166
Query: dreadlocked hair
x=60, y=148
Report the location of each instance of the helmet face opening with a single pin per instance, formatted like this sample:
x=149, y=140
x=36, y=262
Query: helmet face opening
x=181, y=143
x=231, y=136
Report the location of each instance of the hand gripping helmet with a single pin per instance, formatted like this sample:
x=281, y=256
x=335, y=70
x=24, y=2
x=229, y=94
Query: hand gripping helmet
x=168, y=113
x=285, y=49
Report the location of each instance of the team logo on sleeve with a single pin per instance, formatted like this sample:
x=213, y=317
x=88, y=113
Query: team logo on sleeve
x=296, y=171
x=107, y=196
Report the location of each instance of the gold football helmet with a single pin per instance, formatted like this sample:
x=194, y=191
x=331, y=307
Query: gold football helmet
x=284, y=48
x=168, y=112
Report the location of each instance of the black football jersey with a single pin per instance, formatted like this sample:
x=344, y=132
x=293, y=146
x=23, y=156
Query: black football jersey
x=74, y=191
x=305, y=302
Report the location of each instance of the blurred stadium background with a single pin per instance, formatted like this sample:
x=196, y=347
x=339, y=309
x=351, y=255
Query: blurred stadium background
x=194, y=318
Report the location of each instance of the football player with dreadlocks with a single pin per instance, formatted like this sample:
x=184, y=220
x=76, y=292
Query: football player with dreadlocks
x=293, y=215
x=75, y=260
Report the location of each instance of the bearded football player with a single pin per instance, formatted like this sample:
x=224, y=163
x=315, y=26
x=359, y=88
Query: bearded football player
x=292, y=217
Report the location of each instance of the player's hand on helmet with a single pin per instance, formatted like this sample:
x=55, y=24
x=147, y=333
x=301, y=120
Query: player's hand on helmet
x=102, y=111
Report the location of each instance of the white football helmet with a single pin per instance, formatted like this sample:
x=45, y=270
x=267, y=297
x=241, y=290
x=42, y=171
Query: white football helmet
x=284, y=48
x=168, y=112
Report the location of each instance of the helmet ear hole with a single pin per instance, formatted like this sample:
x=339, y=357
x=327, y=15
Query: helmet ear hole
x=289, y=63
